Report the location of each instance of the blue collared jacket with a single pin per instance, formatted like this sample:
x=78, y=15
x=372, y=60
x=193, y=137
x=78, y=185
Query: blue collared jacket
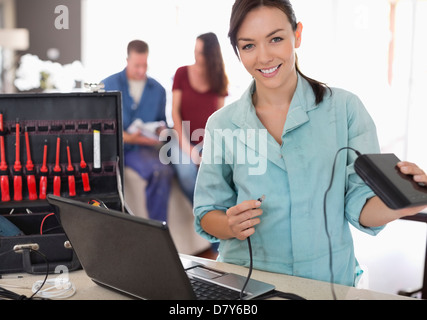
x=151, y=106
x=241, y=161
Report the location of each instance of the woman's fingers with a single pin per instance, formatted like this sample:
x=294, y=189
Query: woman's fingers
x=412, y=169
x=243, y=206
x=243, y=217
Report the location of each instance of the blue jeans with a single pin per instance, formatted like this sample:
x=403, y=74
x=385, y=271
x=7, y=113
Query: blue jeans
x=186, y=170
x=145, y=161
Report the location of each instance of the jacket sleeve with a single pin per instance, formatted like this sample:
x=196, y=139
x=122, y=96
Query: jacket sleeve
x=362, y=136
x=214, y=187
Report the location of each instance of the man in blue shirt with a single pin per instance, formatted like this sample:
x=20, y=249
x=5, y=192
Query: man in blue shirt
x=143, y=99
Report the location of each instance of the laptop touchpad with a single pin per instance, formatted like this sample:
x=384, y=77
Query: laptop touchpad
x=205, y=273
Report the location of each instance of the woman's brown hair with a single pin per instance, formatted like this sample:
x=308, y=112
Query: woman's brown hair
x=242, y=7
x=218, y=80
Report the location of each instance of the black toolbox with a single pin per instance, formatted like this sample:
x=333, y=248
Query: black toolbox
x=87, y=127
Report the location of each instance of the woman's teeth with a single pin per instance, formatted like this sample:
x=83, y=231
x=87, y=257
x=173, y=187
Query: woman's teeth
x=267, y=71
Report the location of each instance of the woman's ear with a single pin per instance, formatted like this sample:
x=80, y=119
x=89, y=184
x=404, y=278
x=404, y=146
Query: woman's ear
x=298, y=33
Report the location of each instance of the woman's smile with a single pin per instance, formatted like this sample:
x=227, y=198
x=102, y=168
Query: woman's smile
x=270, y=72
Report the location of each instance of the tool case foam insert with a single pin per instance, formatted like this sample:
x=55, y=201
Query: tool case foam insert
x=71, y=119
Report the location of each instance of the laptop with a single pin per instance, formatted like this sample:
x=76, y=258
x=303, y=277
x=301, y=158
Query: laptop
x=138, y=257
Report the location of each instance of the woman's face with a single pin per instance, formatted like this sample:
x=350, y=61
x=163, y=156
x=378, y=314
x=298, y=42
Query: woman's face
x=266, y=44
x=198, y=53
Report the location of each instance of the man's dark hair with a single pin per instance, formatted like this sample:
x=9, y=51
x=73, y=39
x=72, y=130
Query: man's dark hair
x=138, y=46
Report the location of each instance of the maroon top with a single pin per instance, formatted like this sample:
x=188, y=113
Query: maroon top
x=196, y=106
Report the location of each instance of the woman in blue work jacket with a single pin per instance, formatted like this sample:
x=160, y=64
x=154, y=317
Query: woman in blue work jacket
x=280, y=140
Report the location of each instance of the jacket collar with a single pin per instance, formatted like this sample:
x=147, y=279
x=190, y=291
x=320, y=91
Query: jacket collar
x=124, y=79
x=245, y=117
x=302, y=102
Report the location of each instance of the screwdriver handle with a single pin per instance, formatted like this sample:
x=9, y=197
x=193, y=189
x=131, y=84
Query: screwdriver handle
x=31, y=183
x=17, y=188
x=4, y=181
x=85, y=178
x=43, y=175
x=43, y=187
x=83, y=167
x=70, y=172
x=57, y=170
x=71, y=185
x=57, y=185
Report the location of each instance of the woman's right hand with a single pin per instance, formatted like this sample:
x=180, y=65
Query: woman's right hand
x=243, y=217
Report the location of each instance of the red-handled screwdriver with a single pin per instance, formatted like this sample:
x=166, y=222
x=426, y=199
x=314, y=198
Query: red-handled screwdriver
x=84, y=170
x=4, y=178
x=43, y=174
x=17, y=173
x=57, y=170
x=70, y=173
x=31, y=178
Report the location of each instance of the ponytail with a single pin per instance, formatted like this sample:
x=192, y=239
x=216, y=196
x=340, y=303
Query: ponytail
x=319, y=88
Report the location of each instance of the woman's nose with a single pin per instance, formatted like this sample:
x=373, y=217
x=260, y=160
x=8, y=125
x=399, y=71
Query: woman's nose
x=264, y=55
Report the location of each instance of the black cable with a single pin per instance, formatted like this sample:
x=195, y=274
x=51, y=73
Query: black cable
x=250, y=268
x=47, y=271
x=260, y=199
x=280, y=294
x=285, y=295
x=272, y=294
x=6, y=252
x=10, y=295
x=326, y=220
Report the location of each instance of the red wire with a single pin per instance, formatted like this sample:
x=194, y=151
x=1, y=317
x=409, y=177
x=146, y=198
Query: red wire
x=41, y=226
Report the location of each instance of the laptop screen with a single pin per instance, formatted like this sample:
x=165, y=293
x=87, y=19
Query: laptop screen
x=133, y=255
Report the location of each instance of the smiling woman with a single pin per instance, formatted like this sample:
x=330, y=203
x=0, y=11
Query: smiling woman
x=266, y=42
x=307, y=123
x=284, y=38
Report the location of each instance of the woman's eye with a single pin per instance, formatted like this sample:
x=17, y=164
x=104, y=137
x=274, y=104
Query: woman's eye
x=276, y=39
x=247, y=47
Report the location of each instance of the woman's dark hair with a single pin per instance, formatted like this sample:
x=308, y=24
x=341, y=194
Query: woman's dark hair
x=242, y=7
x=218, y=80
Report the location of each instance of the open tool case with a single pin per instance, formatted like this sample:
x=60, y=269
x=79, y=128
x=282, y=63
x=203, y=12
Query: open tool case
x=45, y=122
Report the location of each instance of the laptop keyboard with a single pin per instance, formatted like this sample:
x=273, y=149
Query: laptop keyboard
x=210, y=291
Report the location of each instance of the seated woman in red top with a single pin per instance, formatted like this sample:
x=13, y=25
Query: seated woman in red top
x=198, y=91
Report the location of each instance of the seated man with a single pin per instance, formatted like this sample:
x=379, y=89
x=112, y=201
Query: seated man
x=143, y=99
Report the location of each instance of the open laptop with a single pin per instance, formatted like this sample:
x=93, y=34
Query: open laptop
x=138, y=257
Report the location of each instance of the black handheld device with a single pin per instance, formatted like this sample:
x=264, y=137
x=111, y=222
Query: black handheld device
x=395, y=189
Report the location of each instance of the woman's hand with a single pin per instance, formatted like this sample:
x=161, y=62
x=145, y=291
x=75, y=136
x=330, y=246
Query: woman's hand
x=412, y=169
x=420, y=177
x=375, y=213
x=243, y=217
